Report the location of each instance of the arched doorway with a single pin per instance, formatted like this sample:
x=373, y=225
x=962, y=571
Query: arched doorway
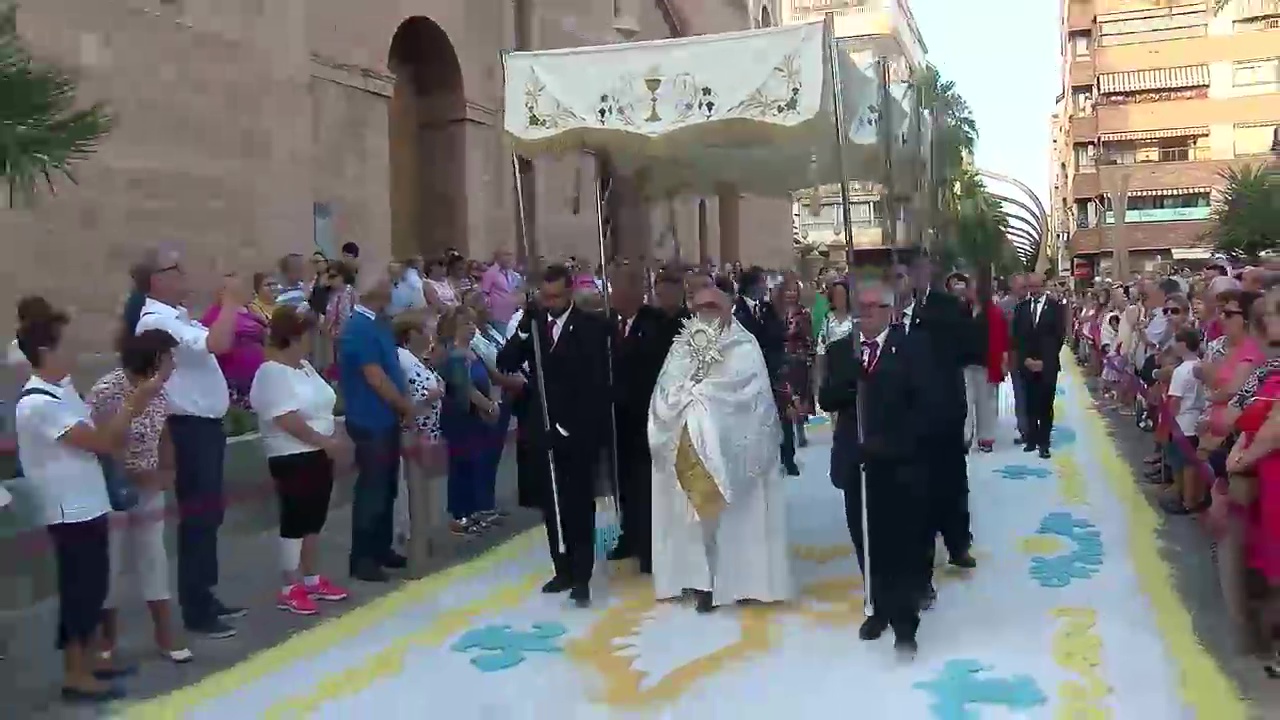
x=766, y=17
x=427, y=146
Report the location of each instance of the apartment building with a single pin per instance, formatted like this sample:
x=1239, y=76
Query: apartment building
x=1158, y=98
x=867, y=29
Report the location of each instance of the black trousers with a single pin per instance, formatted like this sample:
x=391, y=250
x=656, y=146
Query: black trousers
x=575, y=481
x=947, y=467
x=1041, y=389
x=635, y=480
x=900, y=532
x=199, y=446
x=83, y=565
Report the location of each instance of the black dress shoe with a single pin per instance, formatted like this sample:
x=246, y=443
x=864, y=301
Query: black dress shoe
x=395, y=561
x=581, y=596
x=369, y=572
x=1029, y=447
x=906, y=648
x=556, y=584
x=792, y=470
x=873, y=627
x=1044, y=454
x=964, y=560
x=228, y=612
x=703, y=601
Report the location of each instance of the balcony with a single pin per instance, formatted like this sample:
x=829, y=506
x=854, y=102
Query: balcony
x=1257, y=9
x=1135, y=156
x=1084, y=240
x=1160, y=215
x=1082, y=72
x=1166, y=174
x=1158, y=236
x=1080, y=15
x=1084, y=128
x=1085, y=184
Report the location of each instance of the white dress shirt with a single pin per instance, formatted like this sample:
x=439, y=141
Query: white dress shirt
x=197, y=386
x=67, y=480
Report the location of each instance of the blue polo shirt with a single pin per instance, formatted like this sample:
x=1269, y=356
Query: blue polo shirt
x=367, y=340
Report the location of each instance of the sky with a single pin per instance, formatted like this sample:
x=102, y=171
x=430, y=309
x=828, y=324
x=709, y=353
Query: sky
x=1003, y=57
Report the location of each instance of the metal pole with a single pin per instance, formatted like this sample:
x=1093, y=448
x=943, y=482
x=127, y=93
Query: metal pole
x=884, y=123
x=608, y=311
x=537, y=363
x=837, y=96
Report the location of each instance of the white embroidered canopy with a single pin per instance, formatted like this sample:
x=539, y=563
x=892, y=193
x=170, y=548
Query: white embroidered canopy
x=752, y=109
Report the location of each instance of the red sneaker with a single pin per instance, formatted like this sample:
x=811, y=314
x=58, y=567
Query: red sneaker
x=326, y=590
x=297, y=601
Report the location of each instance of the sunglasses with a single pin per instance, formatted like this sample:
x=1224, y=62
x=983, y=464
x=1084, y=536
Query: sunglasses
x=1172, y=311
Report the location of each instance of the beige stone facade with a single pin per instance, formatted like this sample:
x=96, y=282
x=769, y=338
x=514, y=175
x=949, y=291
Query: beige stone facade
x=1158, y=99
x=239, y=121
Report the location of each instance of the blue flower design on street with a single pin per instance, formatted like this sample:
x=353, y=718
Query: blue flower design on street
x=1081, y=563
x=962, y=684
x=501, y=647
x=1023, y=472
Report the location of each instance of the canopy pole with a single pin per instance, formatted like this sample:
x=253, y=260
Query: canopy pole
x=523, y=230
x=837, y=110
x=614, y=487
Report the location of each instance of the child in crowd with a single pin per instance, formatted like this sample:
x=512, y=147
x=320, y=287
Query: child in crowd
x=1186, y=402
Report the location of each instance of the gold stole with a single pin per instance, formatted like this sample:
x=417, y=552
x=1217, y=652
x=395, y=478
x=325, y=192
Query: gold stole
x=698, y=485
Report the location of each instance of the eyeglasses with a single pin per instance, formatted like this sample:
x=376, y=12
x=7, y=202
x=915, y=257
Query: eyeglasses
x=169, y=268
x=1233, y=313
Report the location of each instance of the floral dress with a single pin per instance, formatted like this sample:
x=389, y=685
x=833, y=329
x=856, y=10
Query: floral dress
x=833, y=328
x=421, y=380
x=797, y=367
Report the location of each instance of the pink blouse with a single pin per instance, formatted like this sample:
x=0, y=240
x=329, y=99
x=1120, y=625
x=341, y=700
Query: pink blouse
x=1247, y=352
x=240, y=363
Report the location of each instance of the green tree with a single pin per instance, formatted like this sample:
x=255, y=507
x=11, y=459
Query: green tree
x=1247, y=220
x=42, y=131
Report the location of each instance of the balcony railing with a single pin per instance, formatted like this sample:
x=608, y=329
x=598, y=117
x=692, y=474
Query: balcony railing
x=1160, y=155
x=1160, y=215
x=1250, y=9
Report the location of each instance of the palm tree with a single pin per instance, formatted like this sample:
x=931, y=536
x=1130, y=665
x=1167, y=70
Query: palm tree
x=42, y=133
x=1247, y=220
x=957, y=131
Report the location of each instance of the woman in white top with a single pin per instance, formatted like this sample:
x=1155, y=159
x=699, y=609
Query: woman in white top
x=59, y=445
x=837, y=324
x=301, y=440
x=422, y=437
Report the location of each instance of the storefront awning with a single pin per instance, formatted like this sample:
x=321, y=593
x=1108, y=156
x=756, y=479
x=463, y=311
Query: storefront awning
x=1165, y=192
x=1201, y=131
x=1192, y=253
x=1154, y=79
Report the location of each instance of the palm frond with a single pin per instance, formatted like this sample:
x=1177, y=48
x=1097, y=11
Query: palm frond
x=42, y=131
x=1247, y=216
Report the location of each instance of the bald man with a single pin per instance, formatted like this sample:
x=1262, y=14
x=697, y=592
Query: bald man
x=375, y=398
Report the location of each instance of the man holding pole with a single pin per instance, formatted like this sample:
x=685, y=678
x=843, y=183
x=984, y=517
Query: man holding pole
x=566, y=416
x=879, y=387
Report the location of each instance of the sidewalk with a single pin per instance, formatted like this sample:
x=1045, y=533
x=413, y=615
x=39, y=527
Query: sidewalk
x=30, y=672
x=1187, y=549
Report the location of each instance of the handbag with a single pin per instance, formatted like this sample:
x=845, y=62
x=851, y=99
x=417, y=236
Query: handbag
x=121, y=493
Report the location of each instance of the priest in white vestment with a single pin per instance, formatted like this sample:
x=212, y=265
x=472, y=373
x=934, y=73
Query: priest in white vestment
x=719, y=505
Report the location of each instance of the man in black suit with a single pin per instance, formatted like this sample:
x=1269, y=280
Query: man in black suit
x=943, y=330
x=1039, y=329
x=884, y=383
x=757, y=315
x=639, y=350
x=574, y=351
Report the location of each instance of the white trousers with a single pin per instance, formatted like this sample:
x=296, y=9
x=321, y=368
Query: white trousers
x=980, y=420
x=137, y=542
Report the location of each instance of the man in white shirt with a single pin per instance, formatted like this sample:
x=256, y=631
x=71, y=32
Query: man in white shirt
x=198, y=398
x=406, y=287
x=1186, y=403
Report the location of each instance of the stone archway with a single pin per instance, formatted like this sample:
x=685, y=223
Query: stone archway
x=427, y=146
